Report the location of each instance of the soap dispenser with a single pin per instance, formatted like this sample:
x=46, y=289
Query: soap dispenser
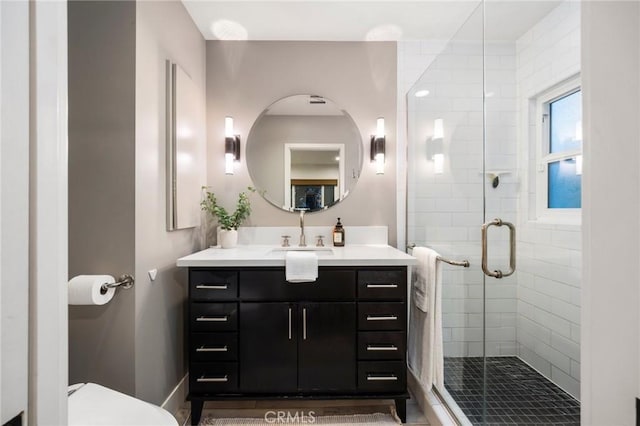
x=338, y=235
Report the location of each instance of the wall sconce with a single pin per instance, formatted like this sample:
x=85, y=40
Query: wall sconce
x=435, y=149
x=231, y=146
x=378, y=146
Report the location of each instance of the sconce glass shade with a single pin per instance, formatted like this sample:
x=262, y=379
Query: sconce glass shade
x=380, y=164
x=228, y=164
x=228, y=127
x=378, y=146
x=380, y=128
x=231, y=146
x=438, y=164
x=438, y=128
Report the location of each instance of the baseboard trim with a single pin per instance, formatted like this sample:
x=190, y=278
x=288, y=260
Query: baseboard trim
x=177, y=397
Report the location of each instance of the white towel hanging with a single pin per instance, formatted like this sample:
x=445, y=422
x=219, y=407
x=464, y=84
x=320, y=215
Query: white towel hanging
x=301, y=267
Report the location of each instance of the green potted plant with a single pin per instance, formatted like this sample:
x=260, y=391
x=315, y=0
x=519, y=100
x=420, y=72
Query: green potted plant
x=228, y=223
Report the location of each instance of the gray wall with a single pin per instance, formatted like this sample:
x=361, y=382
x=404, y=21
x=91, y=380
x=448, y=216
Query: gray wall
x=117, y=204
x=243, y=78
x=164, y=31
x=101, y=186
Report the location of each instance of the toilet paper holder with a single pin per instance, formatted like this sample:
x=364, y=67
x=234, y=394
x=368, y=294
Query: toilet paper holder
x=125, y=281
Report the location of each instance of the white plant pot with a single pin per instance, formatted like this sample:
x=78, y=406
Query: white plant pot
x=228, y=238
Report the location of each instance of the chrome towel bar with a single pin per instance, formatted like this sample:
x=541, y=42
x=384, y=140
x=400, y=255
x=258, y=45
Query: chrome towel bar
x=464, y=263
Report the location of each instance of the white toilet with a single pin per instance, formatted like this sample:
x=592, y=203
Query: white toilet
x=91, y=404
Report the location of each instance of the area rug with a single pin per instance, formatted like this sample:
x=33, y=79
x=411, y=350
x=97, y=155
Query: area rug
x=355, y=419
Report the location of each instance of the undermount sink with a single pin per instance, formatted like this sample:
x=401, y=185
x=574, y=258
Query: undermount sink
x=320, y=251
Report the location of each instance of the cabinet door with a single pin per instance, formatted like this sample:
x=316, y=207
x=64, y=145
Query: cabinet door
x=268, y=357
x=327, y=347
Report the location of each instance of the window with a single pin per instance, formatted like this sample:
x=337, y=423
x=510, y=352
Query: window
x=559, y=159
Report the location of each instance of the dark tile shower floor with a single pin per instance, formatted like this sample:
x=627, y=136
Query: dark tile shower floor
x=516, y=393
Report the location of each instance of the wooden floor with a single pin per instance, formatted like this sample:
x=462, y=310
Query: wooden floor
x=258, y=409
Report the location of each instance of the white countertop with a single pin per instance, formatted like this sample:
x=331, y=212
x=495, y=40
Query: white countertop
x=260, y=255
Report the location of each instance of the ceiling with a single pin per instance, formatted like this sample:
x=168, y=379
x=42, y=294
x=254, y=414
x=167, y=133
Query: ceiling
x=359, y=20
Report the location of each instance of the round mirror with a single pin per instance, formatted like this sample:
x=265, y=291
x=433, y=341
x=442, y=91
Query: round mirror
x=304, y=152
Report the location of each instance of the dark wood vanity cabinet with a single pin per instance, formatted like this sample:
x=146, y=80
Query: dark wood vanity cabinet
x=253, y=335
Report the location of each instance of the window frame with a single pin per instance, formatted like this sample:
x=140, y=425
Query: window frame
x=544, y=157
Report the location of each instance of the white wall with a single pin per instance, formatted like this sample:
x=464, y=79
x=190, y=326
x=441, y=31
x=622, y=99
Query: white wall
x=611, y=212
x=164, y=30
x=14, y=205
x=549, y=254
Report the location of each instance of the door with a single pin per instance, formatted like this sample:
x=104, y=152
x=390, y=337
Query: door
x=327, y=347
x=492, y=143
x=446, y=200
x=268, y=351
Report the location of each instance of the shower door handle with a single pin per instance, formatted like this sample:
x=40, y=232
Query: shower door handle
x=512, y=249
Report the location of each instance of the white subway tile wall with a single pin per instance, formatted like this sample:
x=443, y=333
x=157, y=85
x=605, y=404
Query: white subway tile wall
x=549, y=256
x=535, y=313
x=446, y=210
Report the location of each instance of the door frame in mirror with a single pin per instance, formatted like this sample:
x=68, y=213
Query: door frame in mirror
x=289, y=147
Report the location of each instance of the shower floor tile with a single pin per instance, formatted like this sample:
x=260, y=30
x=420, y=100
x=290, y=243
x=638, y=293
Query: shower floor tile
x=516, y=393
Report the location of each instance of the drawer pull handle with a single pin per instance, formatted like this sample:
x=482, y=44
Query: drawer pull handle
x=382, y=285
x=389, y=378
x=203, y=349
x=203, y=379
x=382, y=318
x=213, y=319
x=212, y=286
x=382, y=348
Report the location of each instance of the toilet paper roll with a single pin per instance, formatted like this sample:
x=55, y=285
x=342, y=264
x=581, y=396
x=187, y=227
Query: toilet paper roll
x=85, y=290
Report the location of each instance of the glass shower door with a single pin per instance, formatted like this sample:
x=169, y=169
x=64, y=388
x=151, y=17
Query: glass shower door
x=494, y=158
x=446, y=207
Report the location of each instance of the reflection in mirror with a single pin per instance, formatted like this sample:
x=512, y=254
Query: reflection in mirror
x=185, y=149
x=303, y=152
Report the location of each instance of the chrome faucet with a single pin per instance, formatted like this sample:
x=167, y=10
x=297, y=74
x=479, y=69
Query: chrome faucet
x=303, y=243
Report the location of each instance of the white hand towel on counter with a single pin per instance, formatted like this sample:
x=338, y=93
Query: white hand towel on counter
x=301, y=267
x=426, y=356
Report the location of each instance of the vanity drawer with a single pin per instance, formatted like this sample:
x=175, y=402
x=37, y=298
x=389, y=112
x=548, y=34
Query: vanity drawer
x=207, y=285
x=214, y=316
x=218, y=377
x=381, y=316
x=381, y=345
x=381, y=284
x=270, y=284
x=214, y=347
x=382, y=376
